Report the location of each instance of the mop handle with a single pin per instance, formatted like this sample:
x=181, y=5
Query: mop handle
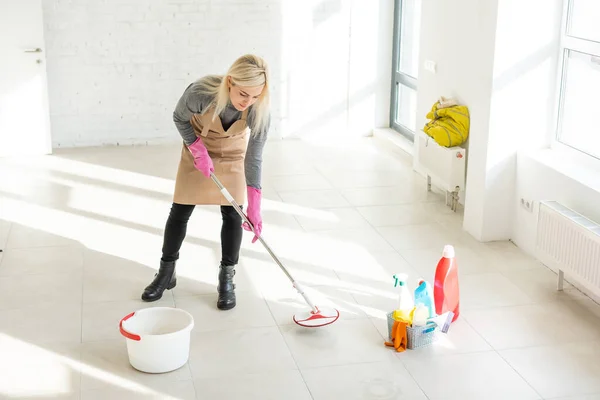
x=235, y=205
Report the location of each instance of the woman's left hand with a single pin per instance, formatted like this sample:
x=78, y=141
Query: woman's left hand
x=254, y=213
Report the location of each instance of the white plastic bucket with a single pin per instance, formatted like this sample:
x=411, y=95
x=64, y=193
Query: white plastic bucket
x=158, y=338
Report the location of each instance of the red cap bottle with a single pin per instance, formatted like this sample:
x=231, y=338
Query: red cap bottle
x=445, y=290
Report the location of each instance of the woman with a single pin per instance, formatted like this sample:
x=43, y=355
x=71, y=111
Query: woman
x=215, y=116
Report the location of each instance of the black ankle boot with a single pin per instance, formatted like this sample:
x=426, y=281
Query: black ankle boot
x=164, y=279
x=226, y=287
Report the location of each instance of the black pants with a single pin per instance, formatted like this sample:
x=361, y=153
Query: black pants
x=176, y=227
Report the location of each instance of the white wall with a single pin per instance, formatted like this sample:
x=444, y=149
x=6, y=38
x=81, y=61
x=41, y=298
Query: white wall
x=369, y=84
x=459, y=37
x=521, y=118
x=116, y=68
x=567, y=177
x=498, y=57
x=544, y=176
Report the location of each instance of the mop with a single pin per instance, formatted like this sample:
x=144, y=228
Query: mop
x=314, y=318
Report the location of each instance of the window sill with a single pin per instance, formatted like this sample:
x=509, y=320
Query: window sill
x=395, y=138
x=580, y=167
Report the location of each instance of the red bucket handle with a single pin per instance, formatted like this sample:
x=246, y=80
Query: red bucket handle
x=124, y=332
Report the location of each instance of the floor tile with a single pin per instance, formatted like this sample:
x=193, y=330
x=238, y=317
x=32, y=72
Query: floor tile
x=460, y=339
x=46, y=371
x=25, y=237
x=38, y=290
x=364, y=179
x=349, y=163
x=508, y=257
x=41, y=324
x=4, y=230
x=314, y=198
x=197, y=271
x=267, y=278
x=490, y=290
x=275, y=168
x=379, y=266
x=443, y=214
x=216, y=354
x=411, y=237
x=538, y=324
x=540, y=284
x=473, y=376
x=586, y=304
x=345, y=240
x=299, y=182
x=250, y=312
x=284, y=305
x=468, y=262
x=344, y=342
x=274, y=385
x=275, y=221
x=342, y=225
x=378, y=380
x=396, y=215
x=42, y=260
x=111, y=278
x=333, y=219
x=371, y=283
x=559, y=370
x=106, y=366
x=381, y=196
x=376, y=298
x=327, y=251
x=183, y=390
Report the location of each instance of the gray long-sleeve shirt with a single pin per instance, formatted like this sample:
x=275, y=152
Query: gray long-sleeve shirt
x=192, y=102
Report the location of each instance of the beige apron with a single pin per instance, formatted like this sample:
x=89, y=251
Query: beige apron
x=227, y=149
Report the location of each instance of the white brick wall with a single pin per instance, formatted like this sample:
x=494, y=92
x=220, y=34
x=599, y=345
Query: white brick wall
x=116, y=68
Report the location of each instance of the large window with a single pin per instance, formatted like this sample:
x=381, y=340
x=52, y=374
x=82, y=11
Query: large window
x=580, y=78
x=405, y=71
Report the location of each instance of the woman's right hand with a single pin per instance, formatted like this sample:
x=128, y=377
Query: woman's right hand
x=202, y=160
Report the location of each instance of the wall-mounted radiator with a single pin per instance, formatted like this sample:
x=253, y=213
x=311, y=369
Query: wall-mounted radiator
x=445, y=165
x=570, y=243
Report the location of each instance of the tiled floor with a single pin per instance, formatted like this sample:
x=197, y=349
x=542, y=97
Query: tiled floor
x=82, y=232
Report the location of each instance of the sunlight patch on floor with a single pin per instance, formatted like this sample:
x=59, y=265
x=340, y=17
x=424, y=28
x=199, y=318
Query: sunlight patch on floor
x=20, y=361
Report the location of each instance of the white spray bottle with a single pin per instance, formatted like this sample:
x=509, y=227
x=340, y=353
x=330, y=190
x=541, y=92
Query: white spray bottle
x=406, y=303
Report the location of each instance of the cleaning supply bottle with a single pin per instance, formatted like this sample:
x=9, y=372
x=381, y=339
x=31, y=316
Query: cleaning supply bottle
x=424, y=296
x=405, y=299
x=420, y=315
x=445, y=292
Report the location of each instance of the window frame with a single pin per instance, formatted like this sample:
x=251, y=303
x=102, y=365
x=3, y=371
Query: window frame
x=569, y=43
x=399, y=77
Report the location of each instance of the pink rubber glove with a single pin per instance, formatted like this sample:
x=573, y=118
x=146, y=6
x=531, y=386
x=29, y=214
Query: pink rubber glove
x=202, y=160
x=253, y=214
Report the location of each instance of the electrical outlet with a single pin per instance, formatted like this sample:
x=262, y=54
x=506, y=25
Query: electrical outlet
x=430, y=66
x=527, y=204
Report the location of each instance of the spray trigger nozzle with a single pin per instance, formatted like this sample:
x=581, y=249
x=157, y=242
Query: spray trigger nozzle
x=399, y=280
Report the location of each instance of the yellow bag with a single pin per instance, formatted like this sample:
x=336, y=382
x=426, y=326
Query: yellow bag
x=449, y=126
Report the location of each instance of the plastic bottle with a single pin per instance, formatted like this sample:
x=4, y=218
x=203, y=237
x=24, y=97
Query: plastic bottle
x=405, y=299
x=420, y=315
x=424, y=296
x=445, y=292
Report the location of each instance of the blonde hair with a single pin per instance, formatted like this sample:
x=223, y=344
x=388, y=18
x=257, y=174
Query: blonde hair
x=248, y=70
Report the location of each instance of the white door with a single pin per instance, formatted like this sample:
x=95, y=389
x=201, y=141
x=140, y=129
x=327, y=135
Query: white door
x=24, y=113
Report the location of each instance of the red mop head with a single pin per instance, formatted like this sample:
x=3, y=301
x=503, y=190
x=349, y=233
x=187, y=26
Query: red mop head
x=312, y=319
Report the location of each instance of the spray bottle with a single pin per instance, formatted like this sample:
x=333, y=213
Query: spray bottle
x=405, y=299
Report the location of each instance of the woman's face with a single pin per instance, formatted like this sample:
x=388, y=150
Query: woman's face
x=243, y=97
